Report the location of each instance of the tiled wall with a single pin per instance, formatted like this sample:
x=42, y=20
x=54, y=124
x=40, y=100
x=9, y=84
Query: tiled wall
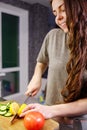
x=40, y=22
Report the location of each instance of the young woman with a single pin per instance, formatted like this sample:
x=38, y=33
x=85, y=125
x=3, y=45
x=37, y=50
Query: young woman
x=53, y=54
x=74, y=92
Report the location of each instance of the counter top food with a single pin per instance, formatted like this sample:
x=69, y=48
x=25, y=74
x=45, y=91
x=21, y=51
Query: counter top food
x=5, y=124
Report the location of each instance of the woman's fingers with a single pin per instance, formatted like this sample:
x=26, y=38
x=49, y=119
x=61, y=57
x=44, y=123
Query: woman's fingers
x=27, y=110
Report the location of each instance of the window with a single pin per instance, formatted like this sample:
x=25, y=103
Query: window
x=13, y=50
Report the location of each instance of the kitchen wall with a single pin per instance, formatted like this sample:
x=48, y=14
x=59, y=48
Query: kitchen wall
x=40, y=22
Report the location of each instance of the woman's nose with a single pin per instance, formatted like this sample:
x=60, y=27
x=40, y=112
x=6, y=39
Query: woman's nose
x=59, y=16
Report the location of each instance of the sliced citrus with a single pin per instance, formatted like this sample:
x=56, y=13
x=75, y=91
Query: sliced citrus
x=21, y=108
x=14, y=107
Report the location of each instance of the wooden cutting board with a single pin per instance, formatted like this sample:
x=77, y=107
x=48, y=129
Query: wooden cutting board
x=18, y=124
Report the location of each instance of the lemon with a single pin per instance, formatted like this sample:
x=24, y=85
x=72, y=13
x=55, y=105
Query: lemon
x=14, y=107
x=21, y=108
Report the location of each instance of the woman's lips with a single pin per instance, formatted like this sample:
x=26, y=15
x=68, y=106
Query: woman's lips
x=63, y=24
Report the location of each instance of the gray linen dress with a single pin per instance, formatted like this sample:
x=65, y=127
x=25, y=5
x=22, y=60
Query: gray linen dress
x=55, y=53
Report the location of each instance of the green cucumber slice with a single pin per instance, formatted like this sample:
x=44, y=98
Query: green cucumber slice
x=3, y=112
x=8, y=105
x=3, y=108
x=7, y=114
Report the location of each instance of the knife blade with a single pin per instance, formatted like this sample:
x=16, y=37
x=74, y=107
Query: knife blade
x=16, y=116
x=25, y=101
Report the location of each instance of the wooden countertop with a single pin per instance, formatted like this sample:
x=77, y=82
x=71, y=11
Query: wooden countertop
x=18, y=124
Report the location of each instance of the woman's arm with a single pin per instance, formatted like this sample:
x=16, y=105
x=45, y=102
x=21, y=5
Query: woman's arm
x=75, y=108
x=35, y=83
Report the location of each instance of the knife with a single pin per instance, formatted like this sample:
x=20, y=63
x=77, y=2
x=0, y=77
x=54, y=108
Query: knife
x=16, y=116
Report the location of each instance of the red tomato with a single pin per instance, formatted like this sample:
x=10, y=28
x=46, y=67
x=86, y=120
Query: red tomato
x=34, y=121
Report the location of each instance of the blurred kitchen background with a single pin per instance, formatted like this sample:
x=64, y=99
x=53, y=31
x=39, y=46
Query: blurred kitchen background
x=24, y=24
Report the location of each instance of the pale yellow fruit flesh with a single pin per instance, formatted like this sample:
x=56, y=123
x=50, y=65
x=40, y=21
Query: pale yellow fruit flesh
x=21, y=108
x=14, y=107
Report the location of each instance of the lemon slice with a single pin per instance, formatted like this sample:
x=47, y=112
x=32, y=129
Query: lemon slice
x=14, y=107
x=21, y=108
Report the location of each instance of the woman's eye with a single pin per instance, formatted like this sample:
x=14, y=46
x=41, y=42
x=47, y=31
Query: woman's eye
x=63, y=10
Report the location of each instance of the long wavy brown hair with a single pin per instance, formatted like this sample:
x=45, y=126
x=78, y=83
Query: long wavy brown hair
x=76, y=84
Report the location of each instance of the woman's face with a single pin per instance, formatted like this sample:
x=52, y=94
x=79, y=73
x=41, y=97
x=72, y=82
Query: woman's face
x=60, y=14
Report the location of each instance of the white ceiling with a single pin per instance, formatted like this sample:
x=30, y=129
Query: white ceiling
x=43, y=2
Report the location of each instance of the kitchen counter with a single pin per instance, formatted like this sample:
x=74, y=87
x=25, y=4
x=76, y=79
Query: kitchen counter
x=2, y=99
x=18, y=124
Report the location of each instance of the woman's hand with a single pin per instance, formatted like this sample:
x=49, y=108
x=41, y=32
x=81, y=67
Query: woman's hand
x=34, y=86
x=46, y=111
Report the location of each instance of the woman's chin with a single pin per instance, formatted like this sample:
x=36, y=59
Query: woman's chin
x=65, y=29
